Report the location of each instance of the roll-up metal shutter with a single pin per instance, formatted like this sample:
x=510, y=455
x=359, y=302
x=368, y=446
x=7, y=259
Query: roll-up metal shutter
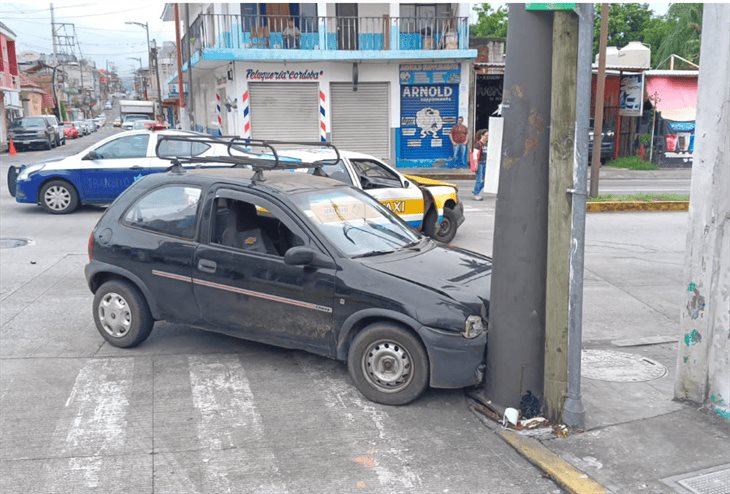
x=284, y=111
x=361, y=119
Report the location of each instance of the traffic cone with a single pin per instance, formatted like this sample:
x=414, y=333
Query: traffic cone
x=11, y=147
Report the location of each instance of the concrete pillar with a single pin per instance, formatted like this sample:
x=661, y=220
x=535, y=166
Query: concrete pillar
x=703, y=363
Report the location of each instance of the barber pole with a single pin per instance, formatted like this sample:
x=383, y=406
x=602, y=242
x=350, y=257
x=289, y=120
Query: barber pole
x=322, y=118
x=218, y=110
x=246, y=115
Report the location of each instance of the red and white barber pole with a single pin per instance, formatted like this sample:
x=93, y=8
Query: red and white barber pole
x=246, y=114
x=322, y=117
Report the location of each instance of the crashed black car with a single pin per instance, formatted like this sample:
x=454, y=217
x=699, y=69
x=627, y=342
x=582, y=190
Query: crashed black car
x=294, y=260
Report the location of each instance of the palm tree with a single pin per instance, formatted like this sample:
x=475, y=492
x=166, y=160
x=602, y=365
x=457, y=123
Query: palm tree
x=683, y=33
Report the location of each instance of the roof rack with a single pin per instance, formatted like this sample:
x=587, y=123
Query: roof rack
x=260, y=155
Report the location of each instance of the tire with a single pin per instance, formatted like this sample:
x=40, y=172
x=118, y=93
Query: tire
x=121, y=314
x=371, y=357
x=59, y=197
x=444, y=231
x=49, y=144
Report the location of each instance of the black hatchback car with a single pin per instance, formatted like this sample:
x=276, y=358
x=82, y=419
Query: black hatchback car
x=294, y=260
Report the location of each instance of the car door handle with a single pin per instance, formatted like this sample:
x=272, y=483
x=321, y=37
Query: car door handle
x=207, y=266
x=136, y=167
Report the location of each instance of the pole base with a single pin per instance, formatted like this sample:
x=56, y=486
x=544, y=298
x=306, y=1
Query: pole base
x=574, y=414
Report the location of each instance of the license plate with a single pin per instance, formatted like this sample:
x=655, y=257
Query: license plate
x=26, y=143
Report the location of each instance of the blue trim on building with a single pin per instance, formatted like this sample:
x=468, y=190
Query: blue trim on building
x=274, y=55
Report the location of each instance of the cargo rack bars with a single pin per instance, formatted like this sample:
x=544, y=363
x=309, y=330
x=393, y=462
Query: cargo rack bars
x=270, y=159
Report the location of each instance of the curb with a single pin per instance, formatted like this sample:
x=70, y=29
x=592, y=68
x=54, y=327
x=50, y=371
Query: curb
x=563, y=473
x=444, y=176
x=619, y=206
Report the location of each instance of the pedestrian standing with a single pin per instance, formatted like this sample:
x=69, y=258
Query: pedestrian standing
x=480, y=148
x=458, y=136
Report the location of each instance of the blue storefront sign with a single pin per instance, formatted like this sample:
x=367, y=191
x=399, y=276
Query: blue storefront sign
x=429, y=107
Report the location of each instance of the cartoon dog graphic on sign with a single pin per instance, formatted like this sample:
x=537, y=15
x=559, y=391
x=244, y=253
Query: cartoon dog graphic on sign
x=430, y=122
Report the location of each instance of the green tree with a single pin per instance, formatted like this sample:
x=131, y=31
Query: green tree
x=683, y=33
x=491, y=23
x=626, y=22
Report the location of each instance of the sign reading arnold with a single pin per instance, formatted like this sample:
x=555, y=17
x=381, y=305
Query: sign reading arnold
x=429, y=107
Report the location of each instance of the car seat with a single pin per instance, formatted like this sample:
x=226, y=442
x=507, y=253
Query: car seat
x=243, y=231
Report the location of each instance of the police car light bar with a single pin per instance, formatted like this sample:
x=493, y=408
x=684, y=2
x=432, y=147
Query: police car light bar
x=260, y=155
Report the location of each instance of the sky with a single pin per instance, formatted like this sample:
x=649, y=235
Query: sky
x=100, y=27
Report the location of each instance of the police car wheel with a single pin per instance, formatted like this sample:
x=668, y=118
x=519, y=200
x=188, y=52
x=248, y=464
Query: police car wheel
x=388, y=364
x=59, y=197
x=446, y=230
x=121, y=314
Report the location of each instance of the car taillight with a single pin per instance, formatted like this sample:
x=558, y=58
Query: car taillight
x=90, y=247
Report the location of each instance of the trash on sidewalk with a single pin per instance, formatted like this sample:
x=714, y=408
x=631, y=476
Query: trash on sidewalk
x=511, y=415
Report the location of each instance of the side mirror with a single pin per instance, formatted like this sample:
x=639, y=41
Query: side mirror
x=299, y=256
x=91, y=155
x=406, y=184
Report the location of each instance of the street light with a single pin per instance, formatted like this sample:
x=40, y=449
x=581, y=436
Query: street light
x=147, y=29
x=154, y=51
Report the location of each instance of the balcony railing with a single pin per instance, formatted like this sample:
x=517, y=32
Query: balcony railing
x=326, y=33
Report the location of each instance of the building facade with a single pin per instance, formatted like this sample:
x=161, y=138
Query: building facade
x=10, y=106
x=387, y=79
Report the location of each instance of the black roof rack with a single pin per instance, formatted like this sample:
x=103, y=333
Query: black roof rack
x=260, y=155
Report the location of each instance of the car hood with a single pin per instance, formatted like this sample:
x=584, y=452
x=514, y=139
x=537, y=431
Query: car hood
x=428, y=181
x=460, y=275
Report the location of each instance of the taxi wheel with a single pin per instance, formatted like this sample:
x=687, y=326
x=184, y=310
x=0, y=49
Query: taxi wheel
x=388, y=364
x=59, y=197
x=444, y=231
x=121, y=314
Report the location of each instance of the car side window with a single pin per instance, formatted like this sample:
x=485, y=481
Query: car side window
x=171, y=210
x=134, y=146
x=337, y=172
x=249, y=227
x=373, y=174
x=182, y=149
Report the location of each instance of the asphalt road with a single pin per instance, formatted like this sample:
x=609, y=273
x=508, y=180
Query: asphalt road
x=190, y=411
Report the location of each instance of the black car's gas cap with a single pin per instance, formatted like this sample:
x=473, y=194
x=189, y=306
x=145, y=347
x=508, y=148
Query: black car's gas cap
x=104, y=236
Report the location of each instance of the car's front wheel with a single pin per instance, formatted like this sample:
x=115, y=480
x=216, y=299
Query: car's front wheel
x=121, y=314
x=59, y=197
x=388, y=364
x=444, y=231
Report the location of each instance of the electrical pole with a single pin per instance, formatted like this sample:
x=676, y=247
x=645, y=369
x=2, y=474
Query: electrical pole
x=191, y=107
x=703, y=366
x=55, y=65
x=515, y=354
x=562, y=147
x=180, y=87
x=600, y=97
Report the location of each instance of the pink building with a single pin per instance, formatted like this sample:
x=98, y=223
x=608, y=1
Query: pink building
x=10, y=106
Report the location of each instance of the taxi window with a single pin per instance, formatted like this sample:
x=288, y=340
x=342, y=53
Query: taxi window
x=181, y=149
x=336, y=171
x=373, y=169
x=171, y=210
x=134, y=146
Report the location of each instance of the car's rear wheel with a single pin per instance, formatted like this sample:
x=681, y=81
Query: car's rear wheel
x=59, y=197
x=121, y=314
x=388, y=364
x=49, y=144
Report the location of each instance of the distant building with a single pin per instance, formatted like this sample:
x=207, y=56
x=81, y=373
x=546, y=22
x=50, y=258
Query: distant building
x=388, y=79
x=32, y=97
x=489, y=78
x=10, y=107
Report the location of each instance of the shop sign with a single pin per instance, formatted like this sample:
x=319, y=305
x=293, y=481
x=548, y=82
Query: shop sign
x=283, y=75
x=427, y=114
x=430, y=73
x=631, y=95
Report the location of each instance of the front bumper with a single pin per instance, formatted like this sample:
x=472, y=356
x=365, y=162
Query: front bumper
x=456, y=362
x=459, y=210
x=29, y=141
x=13, y=173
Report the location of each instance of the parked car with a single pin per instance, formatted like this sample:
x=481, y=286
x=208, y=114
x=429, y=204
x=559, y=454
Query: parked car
x=58, y=129
x=84, y=129
x=431, y=206
x=108, y=105
x=32, y=131
x=117, y=122
x=96, y=175
x=296, y=261
x=91, y=125
x=70, y=130
x=608, y=146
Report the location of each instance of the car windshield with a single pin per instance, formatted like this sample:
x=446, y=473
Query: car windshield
x=26, y=123
x=355, y=223
x=132, y=118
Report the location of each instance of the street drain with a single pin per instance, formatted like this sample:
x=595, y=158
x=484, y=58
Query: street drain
x=11, y=243
x=606, y=365
x=714, y=480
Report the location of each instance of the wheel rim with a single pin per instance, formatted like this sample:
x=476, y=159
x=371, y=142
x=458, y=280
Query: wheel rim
x=388, y=366
x=57, y=197
x=444, y=227
x=114, y=315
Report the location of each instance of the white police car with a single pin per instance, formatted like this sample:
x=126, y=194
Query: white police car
x=98, y=174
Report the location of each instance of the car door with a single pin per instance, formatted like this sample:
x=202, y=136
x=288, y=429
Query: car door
x=242, y=284
x=402, y=197
x=114, y=166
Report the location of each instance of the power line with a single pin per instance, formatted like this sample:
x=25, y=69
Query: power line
x=88, y=15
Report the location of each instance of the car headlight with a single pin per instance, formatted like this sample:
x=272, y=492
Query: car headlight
x=29, y=170
x=474, y=326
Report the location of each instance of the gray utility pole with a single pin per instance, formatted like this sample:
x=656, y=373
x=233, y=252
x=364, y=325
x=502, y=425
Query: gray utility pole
x=600, y=96
x=53, y=36
x=703, y=365
x=55, y=66
x=562, y=147
x=178, y=54
x=517, y=308
x=191, y=107
x=573, y=410
x=149, y=53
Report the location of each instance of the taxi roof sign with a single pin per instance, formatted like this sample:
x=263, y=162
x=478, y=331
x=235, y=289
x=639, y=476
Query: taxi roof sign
x=550, y=6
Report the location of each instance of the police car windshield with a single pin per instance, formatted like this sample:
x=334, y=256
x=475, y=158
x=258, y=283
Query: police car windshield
x=354, y=222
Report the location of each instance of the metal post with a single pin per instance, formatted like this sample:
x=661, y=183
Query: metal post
x=180, y=87
x=573, y=410
x=191, y=106
x=600, y=96
x=517, y=308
